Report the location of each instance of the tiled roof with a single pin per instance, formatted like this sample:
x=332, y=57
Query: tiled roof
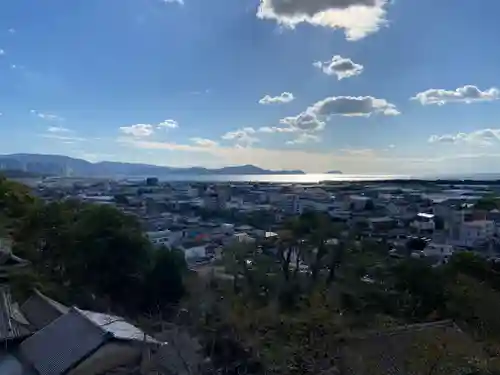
x=62, y=344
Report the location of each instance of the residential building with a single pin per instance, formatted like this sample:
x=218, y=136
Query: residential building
x=214, y=201
x=424, y=222
x=378, y=224
x=442, y=252
x=359, y=202
x=193, y=252
x=290, y=204
x=82, y=342
x=165, y=237
x=476, y=232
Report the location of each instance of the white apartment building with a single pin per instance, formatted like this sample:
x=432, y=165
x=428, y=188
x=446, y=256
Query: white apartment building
x=195, y=252
x=474, y=232
x=424, y=223
x=165, y=238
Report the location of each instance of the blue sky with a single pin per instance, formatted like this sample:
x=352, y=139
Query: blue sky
x=370, y=86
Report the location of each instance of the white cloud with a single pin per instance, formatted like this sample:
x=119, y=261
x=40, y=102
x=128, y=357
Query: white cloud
x=171, y=124
x=180, y=2
x=12, y=31
x=242, y=137
x=353, y=106
x=138, y=130
x=46, y=116
x=467, y=94
x=367, y=152
x=285, y=97
x=63, y=138
x=313, y=119
x=306, y=121
x=304, y=138
x=2, y=52
x=482, y=137
x=358, y=18
x=276, y=129
x=58, y=129
x=340, y=66
x=204, y=142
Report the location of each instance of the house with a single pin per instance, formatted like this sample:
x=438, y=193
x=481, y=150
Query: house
x=381, y=223
x=476, y=232
x=397, y=208
x=440, y=253
x=165, y=237
x=359, y=202
x=243, y=238
x=192, y=252
x=441, y=250
x=86, y=343
x=424, y=222
x=13, y=324
x=40, y=310
x=290, y=204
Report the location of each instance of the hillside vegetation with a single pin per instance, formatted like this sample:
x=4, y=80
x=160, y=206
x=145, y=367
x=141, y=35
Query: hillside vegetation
x=90, y=255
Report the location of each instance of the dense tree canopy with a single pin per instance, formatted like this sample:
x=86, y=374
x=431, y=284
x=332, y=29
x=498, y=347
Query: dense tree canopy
x=88, y=254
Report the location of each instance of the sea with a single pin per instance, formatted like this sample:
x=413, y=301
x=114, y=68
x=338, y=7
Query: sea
x=278, y=178
x=309, y=178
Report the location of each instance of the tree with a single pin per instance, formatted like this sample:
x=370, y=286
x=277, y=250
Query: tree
x=487, y=203
x=15, y=199
x=163, y=281
x=94, y=250
x=416, y=244
x=421, y=289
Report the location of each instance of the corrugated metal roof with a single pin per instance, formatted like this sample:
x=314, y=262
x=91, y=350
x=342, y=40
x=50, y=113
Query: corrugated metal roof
x=63, y=343
x=118, y=327
x=40, y=310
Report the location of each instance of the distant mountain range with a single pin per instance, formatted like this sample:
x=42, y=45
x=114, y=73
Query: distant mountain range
x=334, y=172
x=58, y=165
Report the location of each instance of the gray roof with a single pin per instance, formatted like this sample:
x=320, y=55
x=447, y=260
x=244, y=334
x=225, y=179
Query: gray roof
x=40, y=310
x=11, y=319
x=118, y=327
x=63, y=344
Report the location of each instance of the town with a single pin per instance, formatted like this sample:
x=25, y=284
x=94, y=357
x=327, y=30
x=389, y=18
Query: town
x=242, y=277
x=203, y=218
